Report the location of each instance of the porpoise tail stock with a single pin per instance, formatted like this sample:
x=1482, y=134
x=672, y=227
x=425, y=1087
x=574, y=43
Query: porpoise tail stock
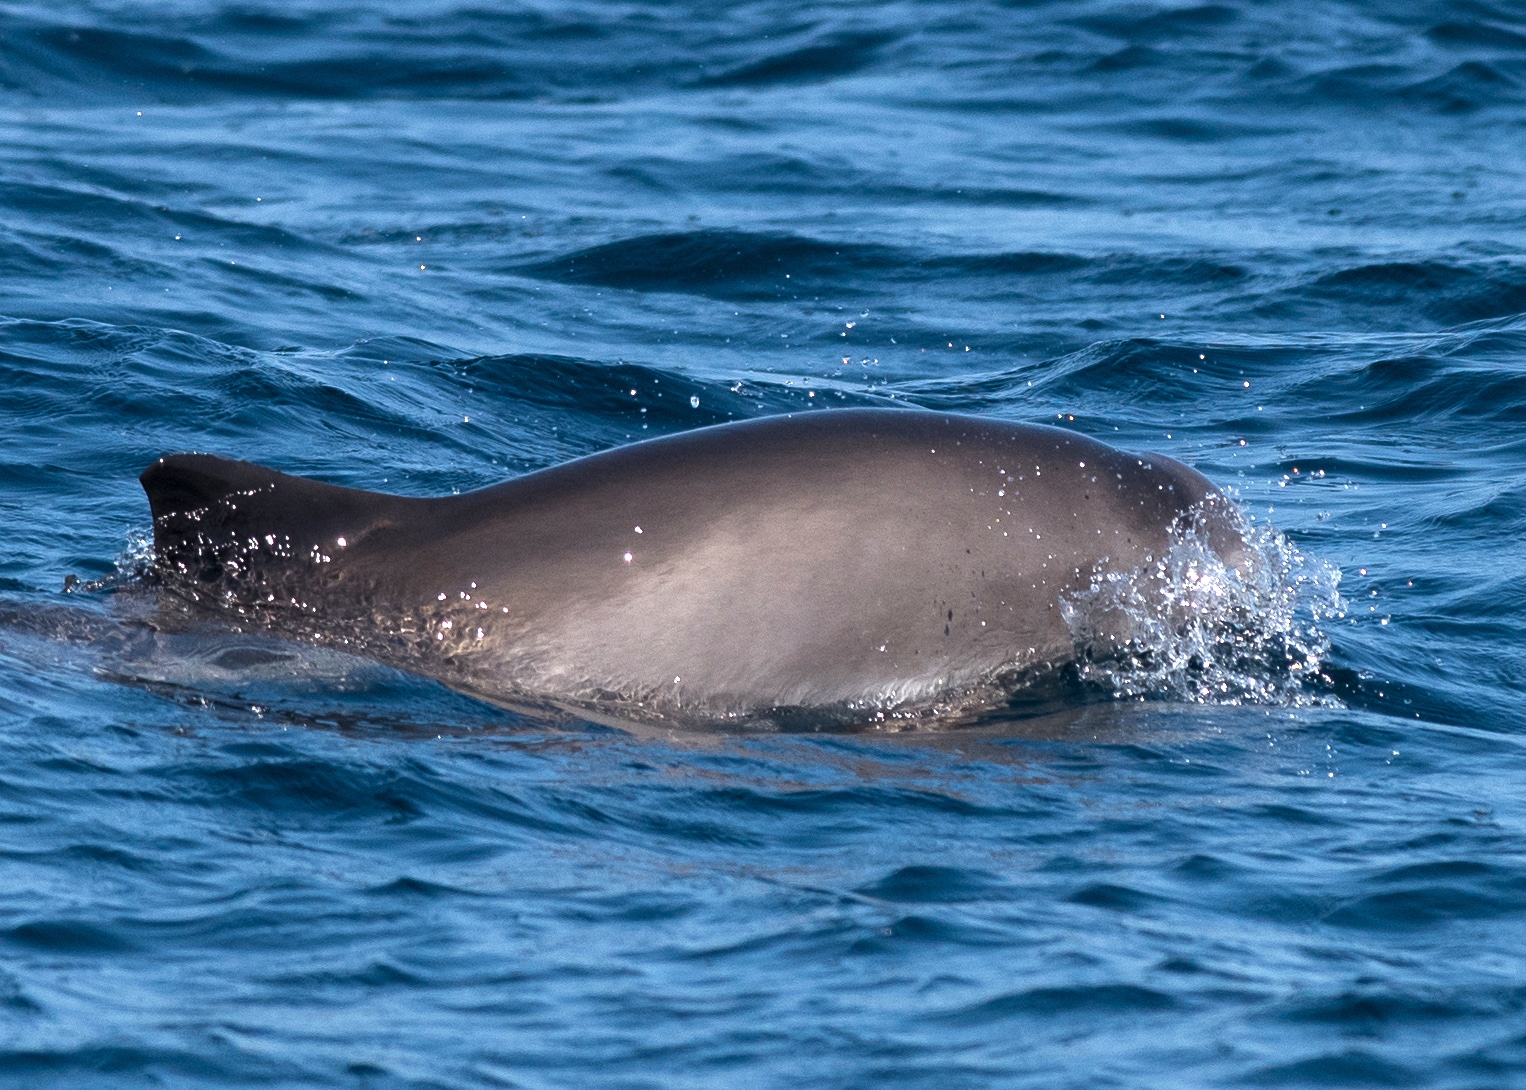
x=861, y=563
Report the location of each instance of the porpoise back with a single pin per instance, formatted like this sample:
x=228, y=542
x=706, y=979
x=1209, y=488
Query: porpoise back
x=855, y=559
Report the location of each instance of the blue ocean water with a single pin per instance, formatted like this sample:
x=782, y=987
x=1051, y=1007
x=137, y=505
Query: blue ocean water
x=423, y=246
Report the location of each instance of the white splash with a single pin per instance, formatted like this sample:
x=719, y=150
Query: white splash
x=1197, y=629
x=132, y=566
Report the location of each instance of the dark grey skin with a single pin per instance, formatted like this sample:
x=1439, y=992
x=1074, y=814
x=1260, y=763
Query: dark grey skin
x=855, y=559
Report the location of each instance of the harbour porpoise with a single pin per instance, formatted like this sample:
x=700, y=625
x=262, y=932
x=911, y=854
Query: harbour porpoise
x=856, y=559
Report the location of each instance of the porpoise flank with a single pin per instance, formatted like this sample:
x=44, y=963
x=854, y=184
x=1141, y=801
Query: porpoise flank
x=860, y=559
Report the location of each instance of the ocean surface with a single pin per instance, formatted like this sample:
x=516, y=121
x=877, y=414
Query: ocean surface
x=424, y=246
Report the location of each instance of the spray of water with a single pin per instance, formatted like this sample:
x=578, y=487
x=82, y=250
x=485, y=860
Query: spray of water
x=1196, y=628
x=134, y=564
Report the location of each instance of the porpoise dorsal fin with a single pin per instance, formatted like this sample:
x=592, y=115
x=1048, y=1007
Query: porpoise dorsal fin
x=200, y=500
